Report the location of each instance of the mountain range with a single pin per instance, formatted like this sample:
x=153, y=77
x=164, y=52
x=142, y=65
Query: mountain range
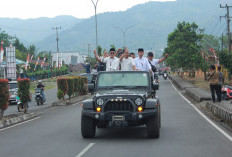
x=152, y=22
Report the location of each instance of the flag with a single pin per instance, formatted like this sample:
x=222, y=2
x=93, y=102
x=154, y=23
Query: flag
x=43, y=62
x=37, y=62
x=1, y=52
x=31, y=58
x=28, y=58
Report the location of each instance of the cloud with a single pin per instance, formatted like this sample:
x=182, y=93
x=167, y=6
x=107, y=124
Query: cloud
x=51, y=8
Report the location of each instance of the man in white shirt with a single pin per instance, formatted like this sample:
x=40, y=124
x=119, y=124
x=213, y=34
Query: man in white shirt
x=155, y=62
x=142, y=63
x=112, y=62
x=127, y=63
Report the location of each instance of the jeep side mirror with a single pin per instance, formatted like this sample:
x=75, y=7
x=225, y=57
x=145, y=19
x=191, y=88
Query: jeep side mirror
x=155, y=86
x=91, y=88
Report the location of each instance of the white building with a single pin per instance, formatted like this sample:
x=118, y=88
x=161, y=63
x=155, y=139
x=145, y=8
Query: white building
x=66, y=57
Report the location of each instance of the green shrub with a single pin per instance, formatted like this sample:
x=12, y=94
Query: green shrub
x=60, y=94
x=70, y=81
x=4, y=95
x=81, y=88
x=76, y=85
x=24, y=90
x=62, y=84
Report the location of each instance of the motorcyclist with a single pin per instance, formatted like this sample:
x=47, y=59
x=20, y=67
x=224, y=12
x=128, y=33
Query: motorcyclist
x=41, y=86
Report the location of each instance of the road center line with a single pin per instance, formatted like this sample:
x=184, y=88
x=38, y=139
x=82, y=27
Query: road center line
x=206, y=118
x=19, y=124
x=85, y=150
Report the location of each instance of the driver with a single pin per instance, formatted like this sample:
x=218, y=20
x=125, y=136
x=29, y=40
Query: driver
x=41, y=86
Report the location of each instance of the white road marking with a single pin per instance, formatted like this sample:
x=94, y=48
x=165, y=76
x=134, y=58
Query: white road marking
x=85, y=150
x=19, y=124
x=206, y=118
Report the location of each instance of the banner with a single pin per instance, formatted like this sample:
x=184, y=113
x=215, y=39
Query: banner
x=11, y=62
x=43, y=62
x=37, y=62
x=28, y=58
x=1, y=52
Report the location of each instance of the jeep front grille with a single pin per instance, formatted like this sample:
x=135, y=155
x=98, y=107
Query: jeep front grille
x=118, y=106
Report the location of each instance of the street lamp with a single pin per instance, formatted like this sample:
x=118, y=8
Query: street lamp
x=124, y=33
x=95, y=8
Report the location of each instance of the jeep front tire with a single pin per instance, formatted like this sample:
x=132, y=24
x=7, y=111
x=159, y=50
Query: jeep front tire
x=153, y=127
x=88, y=127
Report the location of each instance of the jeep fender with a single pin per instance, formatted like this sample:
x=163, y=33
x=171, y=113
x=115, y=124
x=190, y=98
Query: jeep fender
x=88, y=104
x=151, y=103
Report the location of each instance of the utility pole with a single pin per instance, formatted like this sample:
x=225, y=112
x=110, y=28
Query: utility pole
x=222, y=42
x=227, y=16
x=57, y=40
x=95, y=8
x=89, y=52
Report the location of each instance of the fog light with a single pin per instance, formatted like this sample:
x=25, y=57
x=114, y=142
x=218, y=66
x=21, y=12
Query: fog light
x=140, y=116
x=97, y=116
x=98, y=109
x=140, y=109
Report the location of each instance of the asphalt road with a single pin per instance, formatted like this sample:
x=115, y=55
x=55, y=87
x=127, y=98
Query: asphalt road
x=184, y=133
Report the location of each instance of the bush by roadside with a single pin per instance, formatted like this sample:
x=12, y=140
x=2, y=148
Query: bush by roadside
x=72, y=85
x=4, y=95
x=24, y=91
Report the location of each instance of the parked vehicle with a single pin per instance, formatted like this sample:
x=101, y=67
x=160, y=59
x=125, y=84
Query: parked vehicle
x=38, y=97
x=120, y=102
x=226, y=92
x=13, y=91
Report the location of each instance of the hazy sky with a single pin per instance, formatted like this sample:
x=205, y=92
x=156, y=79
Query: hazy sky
x=50, y=8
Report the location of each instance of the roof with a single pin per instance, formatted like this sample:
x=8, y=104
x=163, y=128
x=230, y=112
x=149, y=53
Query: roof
x=17, y=62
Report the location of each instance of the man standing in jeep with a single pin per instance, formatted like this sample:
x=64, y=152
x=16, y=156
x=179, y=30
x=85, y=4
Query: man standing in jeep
x=112, y=62
x=142, y=63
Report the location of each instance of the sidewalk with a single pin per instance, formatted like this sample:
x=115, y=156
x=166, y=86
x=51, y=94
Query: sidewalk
x=222, y=109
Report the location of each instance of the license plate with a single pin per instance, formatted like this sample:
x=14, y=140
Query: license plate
x=118, y=118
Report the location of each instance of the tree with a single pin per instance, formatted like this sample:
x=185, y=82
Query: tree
x=183, y=48
x=32, y=50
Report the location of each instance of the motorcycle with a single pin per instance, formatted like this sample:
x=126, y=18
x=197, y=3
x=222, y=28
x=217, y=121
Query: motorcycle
x=165, y=76
x=21, y=106
x=226, y=92
x=38, y=97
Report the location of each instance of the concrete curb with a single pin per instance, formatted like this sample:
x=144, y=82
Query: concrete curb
x=189, y=90
x=16, y=120
x=220, y=112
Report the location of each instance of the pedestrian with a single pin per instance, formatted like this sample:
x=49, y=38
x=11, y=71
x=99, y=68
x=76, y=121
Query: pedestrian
x=142, y=63
x=87, y=67
x=112, y=62
x=213, y=78
x=132, y=55
x=127, y=63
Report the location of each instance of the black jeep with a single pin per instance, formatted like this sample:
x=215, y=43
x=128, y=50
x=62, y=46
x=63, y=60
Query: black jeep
x=122, y=99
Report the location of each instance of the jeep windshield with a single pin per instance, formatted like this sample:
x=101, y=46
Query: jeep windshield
x=130, y=80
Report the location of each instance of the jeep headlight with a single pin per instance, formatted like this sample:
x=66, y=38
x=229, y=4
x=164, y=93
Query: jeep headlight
x=138, y=101
x=100, y=101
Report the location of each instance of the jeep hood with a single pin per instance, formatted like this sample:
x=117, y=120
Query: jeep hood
x=121, y=92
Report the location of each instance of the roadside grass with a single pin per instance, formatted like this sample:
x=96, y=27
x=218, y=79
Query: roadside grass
x=48, y=85
x=199, y=82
